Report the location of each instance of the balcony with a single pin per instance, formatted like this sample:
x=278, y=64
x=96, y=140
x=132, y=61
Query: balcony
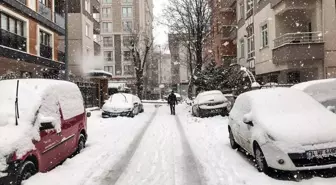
x=45, y=11
x=282, y=6
x=12, y=40
x=60, y=20
x=298, y=47
x=45, y=51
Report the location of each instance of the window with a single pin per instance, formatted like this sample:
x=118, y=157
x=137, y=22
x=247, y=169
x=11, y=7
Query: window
x=45, y=38
x=13, y=25
x=242, y=48
x=128, y=70
x=108, y=41
x=106, y=12
x=241, y=11
x=250, y=41
x=264, y=36
x=87, y=5
x=127, y=55
x=87, y=30
x=249, y=6
x=128, y=1
x=127, y=11
x=127, y=41
x=45, y=2
x=127, y=26
x=108, y=55
x=107, y=1
x=107, y=27
x=109, y=69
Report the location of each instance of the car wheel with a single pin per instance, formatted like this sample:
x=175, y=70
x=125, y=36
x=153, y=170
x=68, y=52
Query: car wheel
x=131, y=114
x=233, y=143
x=81, y=143
x=27, y=170
x=225, y=112
x=260, y=159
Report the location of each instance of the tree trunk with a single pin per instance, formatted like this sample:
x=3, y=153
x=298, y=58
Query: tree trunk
x=191, y=82
x=139, y=82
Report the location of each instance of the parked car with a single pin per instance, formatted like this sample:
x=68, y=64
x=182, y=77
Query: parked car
x=210, y=103
x=284, y=129
x=42, y=122
x=324, y=91
x=178, y=97
x=122, y=104
x=231, y=98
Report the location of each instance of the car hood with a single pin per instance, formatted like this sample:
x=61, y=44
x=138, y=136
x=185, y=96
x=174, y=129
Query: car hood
x=116, y=107
x=303, y=129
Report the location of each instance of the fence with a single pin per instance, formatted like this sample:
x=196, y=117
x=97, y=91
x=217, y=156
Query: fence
x=298, y=38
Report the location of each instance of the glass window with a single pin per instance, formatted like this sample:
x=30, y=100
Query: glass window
x=242, y=48
x=249, y=6
x=106, y=12
x=45, y=38
x=107, y=1
x=108, y=41
x=128, y=70
x=127, y=41
x=4, y=22
x=264, y=36
x=109, y=69
x=108, y=55
x=87, y=5
x=12, y=25
x=127, y=26
x=127, y=55
x=87, y=30
x=127, y=11
x=128, y=1
x=107, y=26
x=241, y=10
x=250, y=41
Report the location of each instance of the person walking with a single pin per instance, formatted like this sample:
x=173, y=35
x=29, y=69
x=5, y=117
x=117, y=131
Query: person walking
x=172, y=101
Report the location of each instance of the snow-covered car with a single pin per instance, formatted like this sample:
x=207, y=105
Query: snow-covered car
x=178, y=97
x=210, y=103
x=324, y=91
x=284, y=129
x=122, y=104
x=42, y=122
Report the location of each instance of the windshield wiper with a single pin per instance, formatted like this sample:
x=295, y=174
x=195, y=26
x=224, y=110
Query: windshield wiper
x=17, y=115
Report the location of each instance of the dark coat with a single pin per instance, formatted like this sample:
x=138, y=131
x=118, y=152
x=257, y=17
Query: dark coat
x=172, y=99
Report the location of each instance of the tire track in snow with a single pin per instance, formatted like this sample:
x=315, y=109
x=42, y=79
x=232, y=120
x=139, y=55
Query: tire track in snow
x=194, y=176
x=118, y=169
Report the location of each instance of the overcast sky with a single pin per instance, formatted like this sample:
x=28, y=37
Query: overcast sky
x=160, y=32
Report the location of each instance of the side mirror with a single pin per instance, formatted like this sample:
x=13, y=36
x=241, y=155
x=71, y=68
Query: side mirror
x=46, y=126
x=88, y=114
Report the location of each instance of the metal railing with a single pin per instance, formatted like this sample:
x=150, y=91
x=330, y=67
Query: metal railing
x=60, y=20
x=45, y=51
x=12, y=40
x=298, y=38
x=45, y=11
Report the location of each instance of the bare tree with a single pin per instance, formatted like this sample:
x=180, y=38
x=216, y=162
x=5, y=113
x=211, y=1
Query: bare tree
x=140, y=45
x=191, y=20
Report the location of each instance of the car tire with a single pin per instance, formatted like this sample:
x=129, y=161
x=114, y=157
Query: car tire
x=131, y=114
x=260, y=160
x=27, y=169
x=233, y=143
x=225, y=112
x=81, y=143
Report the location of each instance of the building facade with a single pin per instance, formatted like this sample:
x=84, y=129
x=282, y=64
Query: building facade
x=287, y=41
x=84, y=36
x=221, y=40
x=29, y=44
x=119, y=21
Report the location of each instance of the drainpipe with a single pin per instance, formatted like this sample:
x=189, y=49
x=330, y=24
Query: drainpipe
x=66, y=41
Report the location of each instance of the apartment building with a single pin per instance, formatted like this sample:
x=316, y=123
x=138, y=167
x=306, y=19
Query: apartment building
x=120, y=20
x=221, y=42
x=287, y=41
x=29, y=38
x=84, y=36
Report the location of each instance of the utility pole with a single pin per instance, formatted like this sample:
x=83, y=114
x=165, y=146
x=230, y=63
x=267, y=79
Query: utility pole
x=66, y=41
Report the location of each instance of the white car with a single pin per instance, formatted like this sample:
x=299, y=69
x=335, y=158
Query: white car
x=210, y=103
x=324, y=91
x=122, y=104
x=284, y=129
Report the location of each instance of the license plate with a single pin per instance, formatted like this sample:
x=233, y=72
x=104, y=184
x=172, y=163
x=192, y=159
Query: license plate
x=321, y=153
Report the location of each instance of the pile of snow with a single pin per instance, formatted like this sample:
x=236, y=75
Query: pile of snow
x=324, y=91
x=38, y=101
x=210, y=97
x=285, y=112
x=119, y=101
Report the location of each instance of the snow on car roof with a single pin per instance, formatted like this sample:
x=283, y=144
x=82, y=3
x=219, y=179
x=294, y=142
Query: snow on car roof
x=210, y=92
x=321, y=90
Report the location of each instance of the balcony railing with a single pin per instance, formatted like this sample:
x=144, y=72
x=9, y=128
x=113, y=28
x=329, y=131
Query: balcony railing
x=45, y=11
x=22, y=1
x=61, y=56
x=12, y=40
x=298, y=38
x=45, y=51
x=60, y=20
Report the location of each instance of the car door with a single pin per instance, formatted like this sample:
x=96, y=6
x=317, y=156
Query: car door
x=50, y=136
x=245, y=129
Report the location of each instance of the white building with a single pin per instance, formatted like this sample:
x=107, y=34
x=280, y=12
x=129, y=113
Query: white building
x=287, y=41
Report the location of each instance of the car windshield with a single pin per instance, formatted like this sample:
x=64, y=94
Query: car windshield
x=254, y=80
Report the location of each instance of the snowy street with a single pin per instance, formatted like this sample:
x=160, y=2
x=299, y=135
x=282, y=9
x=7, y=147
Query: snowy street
x=156, y=148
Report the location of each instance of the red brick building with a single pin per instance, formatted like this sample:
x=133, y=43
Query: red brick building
x=221, y=42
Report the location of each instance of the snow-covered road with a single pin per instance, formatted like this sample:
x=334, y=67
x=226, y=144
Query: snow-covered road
x=156, y=148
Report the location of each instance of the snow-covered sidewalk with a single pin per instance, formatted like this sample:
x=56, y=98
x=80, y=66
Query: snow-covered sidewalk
x=220, y=164
x=108, y=140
